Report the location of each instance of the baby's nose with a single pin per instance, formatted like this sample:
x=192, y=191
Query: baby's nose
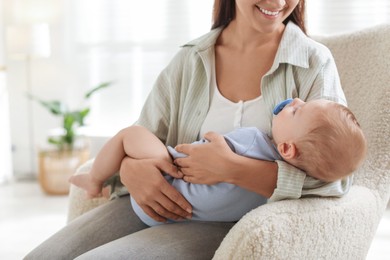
x=297, y=102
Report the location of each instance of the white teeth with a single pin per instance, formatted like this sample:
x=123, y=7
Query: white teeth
x=268, y=12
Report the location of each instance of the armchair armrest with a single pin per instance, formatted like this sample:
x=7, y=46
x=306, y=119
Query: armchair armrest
x=311, y=228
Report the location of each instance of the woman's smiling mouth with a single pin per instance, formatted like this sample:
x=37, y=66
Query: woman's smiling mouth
x=267, y=12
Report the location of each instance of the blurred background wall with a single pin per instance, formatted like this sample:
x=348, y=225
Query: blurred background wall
x=74, y=45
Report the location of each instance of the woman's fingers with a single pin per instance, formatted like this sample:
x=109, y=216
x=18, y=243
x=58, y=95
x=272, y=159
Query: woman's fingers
x=212, y=136
x=163, y=208
x=169, y=168
x=170, y=210
x=191, y=179
x=166, y=201
x=158, y=198
x=206, y=163
x=184, y=148
x=175, y=202
x=151, y=213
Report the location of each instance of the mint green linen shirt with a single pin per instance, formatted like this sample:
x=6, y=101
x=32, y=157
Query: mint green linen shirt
x=179, y=101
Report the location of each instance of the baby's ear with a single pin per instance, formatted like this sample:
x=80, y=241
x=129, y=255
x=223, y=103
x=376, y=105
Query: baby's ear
x=287, y=150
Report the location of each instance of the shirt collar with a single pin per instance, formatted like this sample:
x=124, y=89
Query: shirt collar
x=293, y=48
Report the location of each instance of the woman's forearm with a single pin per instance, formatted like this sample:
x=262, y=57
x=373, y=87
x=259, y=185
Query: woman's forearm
x=255, y=175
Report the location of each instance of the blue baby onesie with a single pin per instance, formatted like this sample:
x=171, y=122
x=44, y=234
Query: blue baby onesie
x=222, y=202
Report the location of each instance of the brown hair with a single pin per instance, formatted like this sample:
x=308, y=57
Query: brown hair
x=334, y=148
x=225, y=10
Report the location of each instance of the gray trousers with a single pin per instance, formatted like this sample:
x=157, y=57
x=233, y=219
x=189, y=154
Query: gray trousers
x=113, y=231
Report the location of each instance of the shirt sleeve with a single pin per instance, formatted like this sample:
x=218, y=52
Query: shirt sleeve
x=289, y=184
x=314, y=187
x=293, y=183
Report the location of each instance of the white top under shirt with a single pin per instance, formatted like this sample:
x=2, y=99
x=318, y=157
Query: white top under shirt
x=225, y=115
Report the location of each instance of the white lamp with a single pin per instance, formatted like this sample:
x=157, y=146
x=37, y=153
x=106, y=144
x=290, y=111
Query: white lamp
x=5, y=147
x=27, y=42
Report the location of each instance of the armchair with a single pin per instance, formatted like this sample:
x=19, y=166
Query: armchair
x=323, y=228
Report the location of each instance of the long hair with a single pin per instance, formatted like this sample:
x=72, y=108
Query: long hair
x=225, y=10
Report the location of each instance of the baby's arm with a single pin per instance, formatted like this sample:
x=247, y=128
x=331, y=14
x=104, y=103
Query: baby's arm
x=135, y=142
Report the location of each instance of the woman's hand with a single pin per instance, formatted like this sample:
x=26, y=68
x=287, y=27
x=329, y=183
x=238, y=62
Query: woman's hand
x=206, y=163
x=151, y=191
x=215, y=162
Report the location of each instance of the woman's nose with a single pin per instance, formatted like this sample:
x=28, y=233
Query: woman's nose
x=279, y=3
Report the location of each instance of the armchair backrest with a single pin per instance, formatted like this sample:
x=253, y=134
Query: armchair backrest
x=363, y=61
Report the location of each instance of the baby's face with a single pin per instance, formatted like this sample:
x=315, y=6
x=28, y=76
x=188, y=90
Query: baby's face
x=296, y=119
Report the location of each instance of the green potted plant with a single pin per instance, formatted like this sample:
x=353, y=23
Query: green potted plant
x=57, y=165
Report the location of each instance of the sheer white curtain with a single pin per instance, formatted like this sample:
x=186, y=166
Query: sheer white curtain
x=129, y=42
x=5, y=136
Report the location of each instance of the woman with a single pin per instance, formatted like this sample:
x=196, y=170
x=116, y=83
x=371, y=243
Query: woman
x=256, y=55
